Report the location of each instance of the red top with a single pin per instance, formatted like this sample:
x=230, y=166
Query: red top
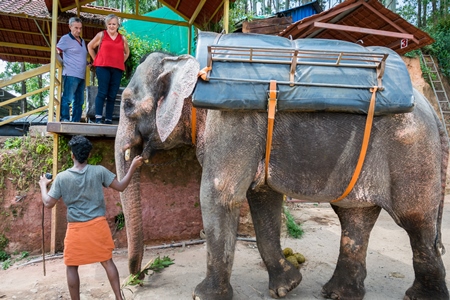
x=111, y=52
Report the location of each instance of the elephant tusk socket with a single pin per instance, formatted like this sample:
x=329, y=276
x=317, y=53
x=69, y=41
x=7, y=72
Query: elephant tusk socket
x=127, y=155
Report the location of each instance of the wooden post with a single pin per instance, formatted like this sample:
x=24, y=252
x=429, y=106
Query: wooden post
x=226, y=15
x=51, y=107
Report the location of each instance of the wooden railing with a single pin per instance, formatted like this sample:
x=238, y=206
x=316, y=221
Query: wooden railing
x=53, y=98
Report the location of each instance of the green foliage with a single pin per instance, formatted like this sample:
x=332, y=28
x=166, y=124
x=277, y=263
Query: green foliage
x=6, y=264
x=4, y=241
x=156, y=266
x=8, y=260
x=64, y=153
x=138, y=48
x=120, y=221
x=128, y=6
x=440, y=49
x=23, y=254
x=3, y=255
x=95, y=159
x=31, y=84
x=294, y=229
x=25, y=159
x=13, y=143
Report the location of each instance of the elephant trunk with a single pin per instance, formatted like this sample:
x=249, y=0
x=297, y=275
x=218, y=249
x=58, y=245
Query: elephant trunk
x=131, y=202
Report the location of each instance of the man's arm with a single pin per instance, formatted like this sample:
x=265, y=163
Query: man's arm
x=122, y=185
x=48, y=201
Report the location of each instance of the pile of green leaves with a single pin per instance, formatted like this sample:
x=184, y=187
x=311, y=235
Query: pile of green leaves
x=156, y=266
x=294, y=230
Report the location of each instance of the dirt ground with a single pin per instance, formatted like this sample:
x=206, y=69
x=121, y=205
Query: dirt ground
x=389, y=264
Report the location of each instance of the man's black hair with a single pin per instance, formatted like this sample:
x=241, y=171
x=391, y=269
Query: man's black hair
x=81, y=147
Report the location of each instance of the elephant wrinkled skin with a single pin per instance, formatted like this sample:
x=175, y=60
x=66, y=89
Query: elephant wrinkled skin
x=313, y=158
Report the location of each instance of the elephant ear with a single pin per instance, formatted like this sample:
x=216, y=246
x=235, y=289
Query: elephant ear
x=181, y=73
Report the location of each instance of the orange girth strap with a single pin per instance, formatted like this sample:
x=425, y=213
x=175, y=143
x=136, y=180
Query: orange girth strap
x=365, y=144
x=271, y=107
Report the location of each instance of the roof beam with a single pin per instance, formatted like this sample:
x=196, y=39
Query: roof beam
x=134, y=17
x=19, y=31
x=75, y=5
x=364, y=30
x=215, y=12
x=47, y=59
x=175, y=9
x=388, y=21
x=197, y=11
x=23, y=46
x=331, y=14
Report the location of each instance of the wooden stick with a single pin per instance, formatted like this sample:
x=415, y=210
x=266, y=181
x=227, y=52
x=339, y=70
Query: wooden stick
x=43, y=240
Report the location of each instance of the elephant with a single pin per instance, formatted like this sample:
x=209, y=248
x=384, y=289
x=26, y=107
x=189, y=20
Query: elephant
x=313, y=156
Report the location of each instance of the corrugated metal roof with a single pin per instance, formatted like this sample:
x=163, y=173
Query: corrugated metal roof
x=301, y=12
x=366, y=22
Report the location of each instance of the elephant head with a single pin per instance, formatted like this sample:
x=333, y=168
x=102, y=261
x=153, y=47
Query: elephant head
x=151, y=118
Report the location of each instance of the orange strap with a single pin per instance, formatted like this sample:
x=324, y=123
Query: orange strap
x=365, y=144
x=202, y=74
x=270, y=120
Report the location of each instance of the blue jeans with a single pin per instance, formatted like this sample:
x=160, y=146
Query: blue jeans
x=108, y=86
x=73, y=94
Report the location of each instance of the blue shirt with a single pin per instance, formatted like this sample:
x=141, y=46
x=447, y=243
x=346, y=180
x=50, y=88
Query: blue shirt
x=74, y=56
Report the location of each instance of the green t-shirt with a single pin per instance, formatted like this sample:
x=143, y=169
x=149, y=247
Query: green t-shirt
x=82, y=192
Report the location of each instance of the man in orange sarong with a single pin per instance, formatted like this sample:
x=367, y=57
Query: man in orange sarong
x=88, y=237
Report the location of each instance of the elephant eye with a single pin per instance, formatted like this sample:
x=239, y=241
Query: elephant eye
x=128, y=104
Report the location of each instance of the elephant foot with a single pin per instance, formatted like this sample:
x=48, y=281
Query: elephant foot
x=421, y=292
x=284, y=282
x=346, y=285
x=347, y=282
x=338, y=292
x=208, y=290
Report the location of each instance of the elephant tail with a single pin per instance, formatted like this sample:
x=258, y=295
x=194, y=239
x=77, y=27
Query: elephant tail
x=444, y=156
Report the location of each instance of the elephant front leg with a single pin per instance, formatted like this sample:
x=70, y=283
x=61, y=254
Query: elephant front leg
x=220, y=223
x=347, y=281
x=265, y=207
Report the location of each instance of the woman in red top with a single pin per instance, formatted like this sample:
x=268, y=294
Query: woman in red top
x=109, y=61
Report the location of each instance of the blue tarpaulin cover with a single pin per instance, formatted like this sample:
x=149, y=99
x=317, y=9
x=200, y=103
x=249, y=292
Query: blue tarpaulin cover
x=318, y=86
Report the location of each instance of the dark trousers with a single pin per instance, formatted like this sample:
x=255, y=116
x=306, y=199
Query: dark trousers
x=108, y=86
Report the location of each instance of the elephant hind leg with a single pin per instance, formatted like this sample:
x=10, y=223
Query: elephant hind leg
x=429, y=270
x=347, y=281
x=265, y=206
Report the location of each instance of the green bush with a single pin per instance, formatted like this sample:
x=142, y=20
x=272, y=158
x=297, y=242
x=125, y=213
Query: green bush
x=4, y=255
x=440, y=49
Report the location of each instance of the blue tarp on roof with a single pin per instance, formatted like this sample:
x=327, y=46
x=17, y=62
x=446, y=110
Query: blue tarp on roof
x=174, y=38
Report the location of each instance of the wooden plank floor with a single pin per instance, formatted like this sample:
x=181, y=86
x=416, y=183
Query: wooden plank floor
x=86, y=129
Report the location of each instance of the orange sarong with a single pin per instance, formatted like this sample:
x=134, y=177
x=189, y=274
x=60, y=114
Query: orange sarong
x=88, y=242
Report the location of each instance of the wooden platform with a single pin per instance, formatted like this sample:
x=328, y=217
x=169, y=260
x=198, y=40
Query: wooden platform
x=86, y=129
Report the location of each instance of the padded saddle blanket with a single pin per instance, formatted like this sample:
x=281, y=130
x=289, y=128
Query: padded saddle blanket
x=244, y=85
